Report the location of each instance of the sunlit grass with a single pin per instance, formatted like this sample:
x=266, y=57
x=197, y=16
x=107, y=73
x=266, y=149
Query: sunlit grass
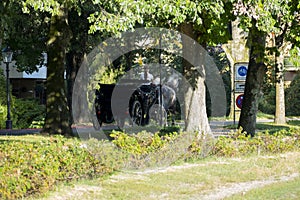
x=279, y=191
x=192, y=180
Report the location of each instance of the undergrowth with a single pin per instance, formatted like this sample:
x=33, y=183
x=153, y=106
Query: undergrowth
x=34, y=167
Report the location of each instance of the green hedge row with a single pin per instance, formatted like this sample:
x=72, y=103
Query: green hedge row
x=238, y=144
x=25, y=113
x=29, y=167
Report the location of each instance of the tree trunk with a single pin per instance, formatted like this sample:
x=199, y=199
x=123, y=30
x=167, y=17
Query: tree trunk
x=74, y=61
x=79, y=26
x=280, y=104
x=57, y=111
x=254, y=81
x=195, y=101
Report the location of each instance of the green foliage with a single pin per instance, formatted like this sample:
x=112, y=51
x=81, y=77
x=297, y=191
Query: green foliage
x=2, y=87
x=37, y=123
x=30, y=166
x=34, y=167
x=238, y=144
x=293, y=97
x=25, y=111
x=3, y=114
x=267, y=102
x=142, y=142
x=209, y=17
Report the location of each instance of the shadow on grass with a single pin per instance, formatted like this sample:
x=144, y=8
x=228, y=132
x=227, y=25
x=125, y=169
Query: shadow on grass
x=271, y=127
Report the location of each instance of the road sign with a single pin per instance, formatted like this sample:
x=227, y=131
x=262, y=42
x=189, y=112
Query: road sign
x=241, y=71
x=239, y=86
x=239, y=101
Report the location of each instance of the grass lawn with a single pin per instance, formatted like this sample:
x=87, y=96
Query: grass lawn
x=259, y=175
x=210, y=178
x=280, y=191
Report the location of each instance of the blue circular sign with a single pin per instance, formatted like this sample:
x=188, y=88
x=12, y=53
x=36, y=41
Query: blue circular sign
x=242, y=71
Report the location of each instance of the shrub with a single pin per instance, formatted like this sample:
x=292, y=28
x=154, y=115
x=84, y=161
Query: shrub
x=267, y=102
x=142, y=142
x=34, y=167
x=31, y=167
x=26, y=111
x=293, y=98
x=238, y=144
x=3, y=114
x=2, y=87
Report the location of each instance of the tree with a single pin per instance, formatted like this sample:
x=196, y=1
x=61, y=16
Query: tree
x=204, y=22
x=57, y=111
x=208, y=20
x=262, y=18
x=254, y=80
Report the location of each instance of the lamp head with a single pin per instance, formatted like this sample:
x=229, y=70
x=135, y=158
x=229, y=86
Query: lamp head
x=7, y=54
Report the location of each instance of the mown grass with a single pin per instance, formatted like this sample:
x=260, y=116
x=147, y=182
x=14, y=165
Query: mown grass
x=279, y=191
x=190, y=180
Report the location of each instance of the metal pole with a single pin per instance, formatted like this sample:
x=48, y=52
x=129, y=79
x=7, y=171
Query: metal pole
x=160, y=85
x=233, y=90
x=8, y=121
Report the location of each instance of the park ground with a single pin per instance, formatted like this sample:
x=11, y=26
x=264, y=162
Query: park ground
x=254, y=177
x=261, y=175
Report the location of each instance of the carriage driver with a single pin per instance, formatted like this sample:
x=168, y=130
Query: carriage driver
x=146, y=75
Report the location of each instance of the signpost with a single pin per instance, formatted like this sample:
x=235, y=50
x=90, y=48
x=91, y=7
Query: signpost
x=240, y=74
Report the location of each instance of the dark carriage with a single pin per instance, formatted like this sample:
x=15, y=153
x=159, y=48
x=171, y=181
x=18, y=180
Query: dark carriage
x=129, y=99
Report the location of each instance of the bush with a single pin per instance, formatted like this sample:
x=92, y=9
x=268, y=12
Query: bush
x=238, y=144
x=142, y=142
x=27, y=111
x=292, y=98
x=3, y=114
x=2, y=87
x=267, y=103
x=34, y=167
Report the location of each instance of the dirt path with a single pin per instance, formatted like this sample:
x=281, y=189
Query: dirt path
x=237, y=188
x=93, y=191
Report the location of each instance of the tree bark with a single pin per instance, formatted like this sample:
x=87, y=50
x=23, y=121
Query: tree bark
x=195, y=97
x=279, y=85
x=57, y=111
x=254, y=81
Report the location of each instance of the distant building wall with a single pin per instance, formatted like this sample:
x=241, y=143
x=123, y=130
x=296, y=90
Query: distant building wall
x=26, y=85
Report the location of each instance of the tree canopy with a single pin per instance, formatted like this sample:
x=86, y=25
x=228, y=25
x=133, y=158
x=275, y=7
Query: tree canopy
x=35, y=26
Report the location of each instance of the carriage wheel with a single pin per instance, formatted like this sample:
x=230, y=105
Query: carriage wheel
x=137, y=113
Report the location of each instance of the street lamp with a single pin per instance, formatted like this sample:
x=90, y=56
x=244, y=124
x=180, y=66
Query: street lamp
x=7, y=58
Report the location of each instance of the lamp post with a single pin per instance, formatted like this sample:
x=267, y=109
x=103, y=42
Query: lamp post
x=7, y=58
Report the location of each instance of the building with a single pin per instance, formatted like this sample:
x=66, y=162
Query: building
x=26, y=85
